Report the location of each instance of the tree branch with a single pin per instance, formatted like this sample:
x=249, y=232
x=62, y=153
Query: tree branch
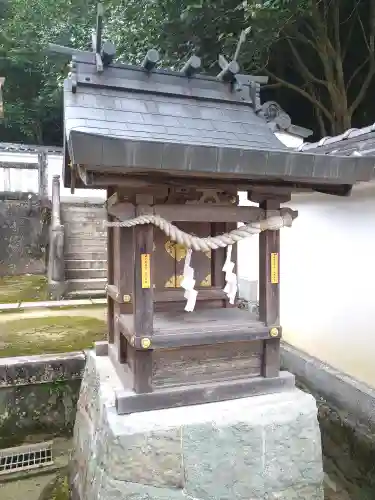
x=306, y=73
x=299, y=90
x=338, y=56
x=272, y=86
x=318, y=113
x=348, y=37
x=355, y=73
x=371, y=71
x=301, y=37
x=336, y=27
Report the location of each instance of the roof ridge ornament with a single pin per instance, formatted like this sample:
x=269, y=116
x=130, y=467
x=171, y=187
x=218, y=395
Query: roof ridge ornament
x=229, y=70
x=192, y=66
x=151, y=59
x=273, y=113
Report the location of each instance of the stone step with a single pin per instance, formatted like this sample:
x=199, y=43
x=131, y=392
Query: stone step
x=86, y=248
x=82, y=221
x=100, y=212
x=66, y=207
x=73, y=223
x=82, y=212
x=86, y=273
x=84, y=240
x=85, y=264
x=86, y=284
x=86, y=232
x=86, y=294
x=86, y=255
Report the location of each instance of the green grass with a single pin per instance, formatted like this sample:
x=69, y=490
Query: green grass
x=49, y=335
x=57, y=489
x=25, y=288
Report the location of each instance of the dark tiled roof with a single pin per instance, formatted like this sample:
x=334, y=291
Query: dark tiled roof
x=353, y=142
x=175, y=120
x=8, y=147
x=128, y=120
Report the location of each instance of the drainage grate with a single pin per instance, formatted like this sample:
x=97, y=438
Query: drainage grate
x=25, y=457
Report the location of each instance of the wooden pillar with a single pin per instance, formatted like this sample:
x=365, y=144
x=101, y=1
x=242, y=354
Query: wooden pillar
x=110, y=275
x=269, y=290
x=143, y=298
x=123, y=281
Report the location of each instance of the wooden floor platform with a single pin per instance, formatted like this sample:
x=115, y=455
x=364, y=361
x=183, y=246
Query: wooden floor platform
x=179, y=329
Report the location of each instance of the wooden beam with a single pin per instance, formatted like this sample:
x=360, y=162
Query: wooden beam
x=198, y=333
x=168, y=295
x=177, y=295
x=102, y=177
x=200, y=213
x=113, y=292
x=209, y=213
x=112, y=200
x=202, y=393
x=122, y=211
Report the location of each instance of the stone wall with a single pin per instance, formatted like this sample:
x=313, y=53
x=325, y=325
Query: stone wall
x=346, y=412
x=263, y=447
x=23, y=235
x=38, y=399
x=38, y=396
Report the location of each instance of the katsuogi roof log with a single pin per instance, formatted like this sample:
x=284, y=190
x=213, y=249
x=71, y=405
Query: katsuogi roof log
x=124, y=119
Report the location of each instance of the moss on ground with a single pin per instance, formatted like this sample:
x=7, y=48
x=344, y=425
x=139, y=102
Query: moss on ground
x=48, y=335
x=25, y=288
x=58, y=489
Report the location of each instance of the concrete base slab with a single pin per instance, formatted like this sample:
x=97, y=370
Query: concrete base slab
x=263, y=447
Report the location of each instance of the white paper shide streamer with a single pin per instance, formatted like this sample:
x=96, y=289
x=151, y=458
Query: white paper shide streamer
x=188, y=283
x=230, y=277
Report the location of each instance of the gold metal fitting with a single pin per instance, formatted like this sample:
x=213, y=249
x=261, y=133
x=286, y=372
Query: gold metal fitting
x=274, y=332
x=127, y=299
x=145, y=343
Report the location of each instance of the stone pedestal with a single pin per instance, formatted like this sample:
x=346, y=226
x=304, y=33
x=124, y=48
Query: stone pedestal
x=264, y=447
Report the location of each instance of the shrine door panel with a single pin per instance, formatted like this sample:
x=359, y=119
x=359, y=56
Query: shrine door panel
x=169, y=259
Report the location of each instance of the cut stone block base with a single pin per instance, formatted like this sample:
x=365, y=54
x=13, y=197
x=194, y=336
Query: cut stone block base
x=264, y=447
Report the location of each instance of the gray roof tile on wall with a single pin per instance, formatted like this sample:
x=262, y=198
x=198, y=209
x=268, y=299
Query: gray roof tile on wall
x=10, y=147
x=353, y=141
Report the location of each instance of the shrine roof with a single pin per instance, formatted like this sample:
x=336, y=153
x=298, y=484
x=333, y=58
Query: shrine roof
x=127, y=119
x=353, y=142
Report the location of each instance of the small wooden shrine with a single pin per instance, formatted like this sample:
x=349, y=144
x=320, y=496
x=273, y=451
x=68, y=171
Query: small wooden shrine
x=173, y=149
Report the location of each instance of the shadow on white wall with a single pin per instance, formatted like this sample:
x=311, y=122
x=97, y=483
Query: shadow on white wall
x=327, y=279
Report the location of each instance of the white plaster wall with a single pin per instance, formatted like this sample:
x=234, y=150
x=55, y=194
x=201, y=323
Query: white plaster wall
x=292, y=141
x=327, y=279
x=55, y=166
x=14, y=179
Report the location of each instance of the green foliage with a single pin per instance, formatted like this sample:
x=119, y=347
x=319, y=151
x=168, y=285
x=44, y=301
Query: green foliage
x=295, y=42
